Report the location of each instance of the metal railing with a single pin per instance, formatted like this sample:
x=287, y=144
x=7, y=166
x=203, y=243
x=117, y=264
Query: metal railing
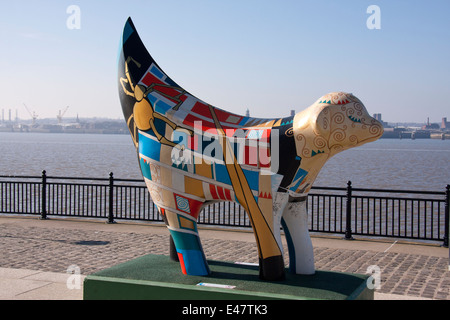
x=350, y=211
x=409, y=214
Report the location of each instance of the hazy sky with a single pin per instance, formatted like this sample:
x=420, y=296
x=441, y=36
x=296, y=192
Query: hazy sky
x=267, y=56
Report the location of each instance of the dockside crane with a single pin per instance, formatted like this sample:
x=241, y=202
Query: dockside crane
x=60, y=115
x=33, y=115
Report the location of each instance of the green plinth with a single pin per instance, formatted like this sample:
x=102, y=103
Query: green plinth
x=156, y=277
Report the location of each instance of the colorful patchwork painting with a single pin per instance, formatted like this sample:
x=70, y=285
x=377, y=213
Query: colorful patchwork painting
x=192, y=154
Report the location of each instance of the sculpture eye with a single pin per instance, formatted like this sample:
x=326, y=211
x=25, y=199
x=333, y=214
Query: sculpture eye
x=354, y=119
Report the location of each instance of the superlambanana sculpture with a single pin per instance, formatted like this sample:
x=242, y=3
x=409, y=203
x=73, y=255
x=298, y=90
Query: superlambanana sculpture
x=192, y=154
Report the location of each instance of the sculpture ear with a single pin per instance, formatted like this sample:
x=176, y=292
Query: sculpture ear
x=322, y=125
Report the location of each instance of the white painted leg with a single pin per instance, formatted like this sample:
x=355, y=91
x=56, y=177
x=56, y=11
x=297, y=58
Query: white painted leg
x=280, y=201
x=295, y=225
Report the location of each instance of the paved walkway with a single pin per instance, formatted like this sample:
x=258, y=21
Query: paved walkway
x=36, y=255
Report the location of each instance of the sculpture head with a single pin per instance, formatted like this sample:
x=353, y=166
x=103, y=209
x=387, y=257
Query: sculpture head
x=335, y=122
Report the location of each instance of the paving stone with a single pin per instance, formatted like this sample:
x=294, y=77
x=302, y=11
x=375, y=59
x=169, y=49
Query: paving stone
x=56, y=249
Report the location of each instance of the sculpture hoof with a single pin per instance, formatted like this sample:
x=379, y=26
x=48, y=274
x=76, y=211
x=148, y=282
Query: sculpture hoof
x=272, y=268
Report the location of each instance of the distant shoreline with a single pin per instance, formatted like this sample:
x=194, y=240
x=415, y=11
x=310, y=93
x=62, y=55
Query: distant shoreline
x=387, y=135
x=67, y=131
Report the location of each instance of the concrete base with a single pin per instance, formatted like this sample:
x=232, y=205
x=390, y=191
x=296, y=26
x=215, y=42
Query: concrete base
x=156, y=277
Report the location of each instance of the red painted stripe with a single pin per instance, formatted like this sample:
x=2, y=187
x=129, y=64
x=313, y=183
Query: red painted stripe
x=212, y=190
x=195, y=207
x=202, y=109
x=193, y=142
x=264, y=158
x=205, y=125
x=224, y=115
x=183, y=267
x=228, y=194
x=220, y=192
x=150, y=79
x=251, y=156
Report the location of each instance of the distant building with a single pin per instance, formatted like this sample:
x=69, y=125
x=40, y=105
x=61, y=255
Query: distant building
x=430, y=126
x=445, y=124
x=377, y=116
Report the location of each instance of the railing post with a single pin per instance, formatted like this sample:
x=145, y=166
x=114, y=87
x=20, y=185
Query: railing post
x=44, y=196
x=111, y=198
x=446, y=217
x=348, y=218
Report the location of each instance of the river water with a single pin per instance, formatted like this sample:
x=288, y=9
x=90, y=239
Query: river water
x=421, y=164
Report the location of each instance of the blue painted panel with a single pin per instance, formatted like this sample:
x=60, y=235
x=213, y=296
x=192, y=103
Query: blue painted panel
x=222, y=174
x=188, y=245
x=149, y=147
x=252, y=179
x=156, y=72
x=128, y=30
x=162, y=107
x=145, y=169
x=194, y=262
x=299, y=176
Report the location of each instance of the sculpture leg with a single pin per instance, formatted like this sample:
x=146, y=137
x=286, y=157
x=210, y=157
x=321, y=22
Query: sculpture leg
x=273, y=267
x=271, y=263
x=280, y=200
x=190, y=253
x=186, y=247
x=295, y=225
